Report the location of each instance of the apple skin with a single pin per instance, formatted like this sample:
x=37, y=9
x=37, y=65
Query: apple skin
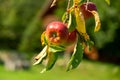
x=56, y=33
x=86, y=7
x=72, y=37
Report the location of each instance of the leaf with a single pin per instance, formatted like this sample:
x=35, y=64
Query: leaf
x=53, y=52
x=76, y=56
x=108, y=2
x=64, y=16
x=76, y=1
x=51, y=59
x=55, y=49
x=43, y=39
x=71, y=22
x=97, y=20
x=80, y=21
x=41, y=56
x=90, y=44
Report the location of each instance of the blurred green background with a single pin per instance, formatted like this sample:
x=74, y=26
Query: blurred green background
x=23, y=21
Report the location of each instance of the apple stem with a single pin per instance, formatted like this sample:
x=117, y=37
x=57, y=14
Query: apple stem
x=87, y=4
x=87, y=1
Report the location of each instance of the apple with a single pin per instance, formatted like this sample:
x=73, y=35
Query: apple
x=86, y=7
x=56, y=33
x=71, y=38
x=91, y=53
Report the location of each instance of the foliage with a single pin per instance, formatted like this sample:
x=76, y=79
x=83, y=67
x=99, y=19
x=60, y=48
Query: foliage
x=19, y=23
x=51, y=49
x=20, y=26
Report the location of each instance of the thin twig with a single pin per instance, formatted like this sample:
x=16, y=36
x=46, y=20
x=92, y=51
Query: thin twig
x=53, y=3
x=67, y=13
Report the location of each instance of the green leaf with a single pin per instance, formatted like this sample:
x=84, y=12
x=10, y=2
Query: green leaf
x=55, y=49
x=71, y=22
x=52, y=53
x=76, y=56
x=90, y=44
x=51, y=59
x=64, y=16
x=108, y=2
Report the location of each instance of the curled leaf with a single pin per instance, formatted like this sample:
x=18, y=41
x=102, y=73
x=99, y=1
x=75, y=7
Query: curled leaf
x=71, y=22
x=52, y=55
x=43, y=39
x=64, y=16
x=51, y=59
x=56, y=49
x=41, y=56
x=97, y=20
x=80, y=21
x=76, y=56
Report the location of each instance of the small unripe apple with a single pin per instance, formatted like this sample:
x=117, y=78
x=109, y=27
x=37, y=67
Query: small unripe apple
x=86, y=7
x=72, y=37
x=57, y=33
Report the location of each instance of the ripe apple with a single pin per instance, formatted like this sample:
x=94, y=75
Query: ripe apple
x=56, y=33
x=71, y=38
x=86, y=7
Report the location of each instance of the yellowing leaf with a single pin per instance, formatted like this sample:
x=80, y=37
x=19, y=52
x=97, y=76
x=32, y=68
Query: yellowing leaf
x=80, y=21
x=41, y=56
x=43, y=40
x=97, y=20
x=77, y=1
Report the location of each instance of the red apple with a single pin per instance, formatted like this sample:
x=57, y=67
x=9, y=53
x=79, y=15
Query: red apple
x=72, y=37
x=57, y=33
x=86, y=7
